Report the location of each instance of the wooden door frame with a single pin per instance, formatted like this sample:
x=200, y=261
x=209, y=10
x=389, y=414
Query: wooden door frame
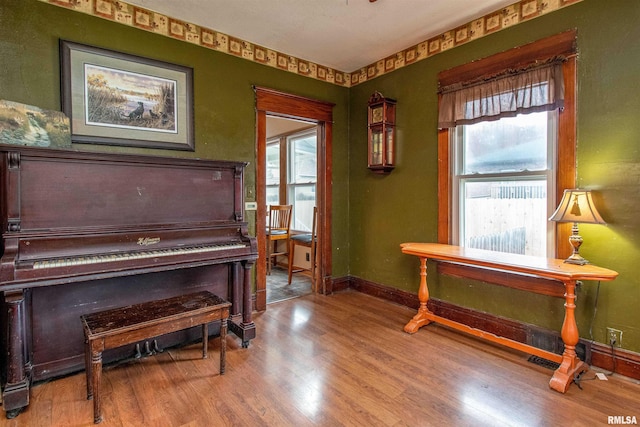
x=270, y=102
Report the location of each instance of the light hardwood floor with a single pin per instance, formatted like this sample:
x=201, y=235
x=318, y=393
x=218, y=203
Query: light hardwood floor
x=279, y=290
x=340, y=360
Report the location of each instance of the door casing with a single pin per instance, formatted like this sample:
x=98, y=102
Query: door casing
x=270, y=102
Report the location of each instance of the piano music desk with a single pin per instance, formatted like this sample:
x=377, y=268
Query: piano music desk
x=126, y=325
x=548, y=268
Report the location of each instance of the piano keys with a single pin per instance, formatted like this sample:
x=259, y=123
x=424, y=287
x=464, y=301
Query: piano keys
x=117, y=257
x=85, y=232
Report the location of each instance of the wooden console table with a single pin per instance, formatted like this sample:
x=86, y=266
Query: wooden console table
x=554, y=269
x=127, y=325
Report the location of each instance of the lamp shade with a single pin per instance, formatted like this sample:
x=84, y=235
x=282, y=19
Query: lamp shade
x=577, y=206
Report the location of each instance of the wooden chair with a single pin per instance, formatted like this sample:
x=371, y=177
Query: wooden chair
x=309, y=241
x=278, y=228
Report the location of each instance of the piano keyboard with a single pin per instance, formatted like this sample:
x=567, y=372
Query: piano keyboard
x=95, y=259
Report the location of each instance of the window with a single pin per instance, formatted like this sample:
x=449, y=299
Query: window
x=503, y=184
x=273, y=172
x=292, y=175
x=498, y=167
x=301, y=179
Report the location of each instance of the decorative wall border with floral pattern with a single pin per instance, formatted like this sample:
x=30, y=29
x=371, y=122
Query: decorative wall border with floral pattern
x=134, y=16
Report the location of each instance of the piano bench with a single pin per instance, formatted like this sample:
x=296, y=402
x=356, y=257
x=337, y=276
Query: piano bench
x=127, y=325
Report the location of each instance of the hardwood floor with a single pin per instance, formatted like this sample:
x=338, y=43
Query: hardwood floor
x=340, y=360
x=279, y=290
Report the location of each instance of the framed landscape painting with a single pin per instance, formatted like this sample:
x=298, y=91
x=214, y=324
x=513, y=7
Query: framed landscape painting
x=119, y=99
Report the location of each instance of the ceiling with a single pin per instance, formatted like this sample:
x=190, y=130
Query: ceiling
x=342, y=34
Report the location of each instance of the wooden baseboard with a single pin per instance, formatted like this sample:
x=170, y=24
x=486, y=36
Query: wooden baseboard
x=623, y=362
x=620, y=361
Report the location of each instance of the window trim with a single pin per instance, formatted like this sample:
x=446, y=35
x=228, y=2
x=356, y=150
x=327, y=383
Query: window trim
x=561, y=44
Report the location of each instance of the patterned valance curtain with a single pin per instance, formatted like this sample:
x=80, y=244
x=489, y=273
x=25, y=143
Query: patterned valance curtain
x=537, y=88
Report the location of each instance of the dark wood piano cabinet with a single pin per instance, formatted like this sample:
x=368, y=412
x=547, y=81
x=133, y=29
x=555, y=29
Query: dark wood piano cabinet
x=86, y=232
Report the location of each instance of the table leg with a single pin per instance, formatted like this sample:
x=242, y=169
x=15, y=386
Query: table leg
x=571, y=364
x=96, y=377
x=88, y=369
x=424, y=316
x=223, y=343
x=205, y=340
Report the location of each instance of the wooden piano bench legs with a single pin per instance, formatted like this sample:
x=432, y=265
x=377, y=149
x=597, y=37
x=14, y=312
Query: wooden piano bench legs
x=127, y=325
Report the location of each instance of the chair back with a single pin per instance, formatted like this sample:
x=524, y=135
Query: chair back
x=279, y=219
x=308, y=240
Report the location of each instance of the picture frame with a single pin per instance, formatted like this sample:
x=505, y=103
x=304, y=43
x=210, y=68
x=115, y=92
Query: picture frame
x=115, y=98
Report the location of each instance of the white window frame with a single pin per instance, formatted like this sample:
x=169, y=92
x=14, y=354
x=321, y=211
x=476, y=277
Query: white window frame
x=292, y=186
x=458, y=180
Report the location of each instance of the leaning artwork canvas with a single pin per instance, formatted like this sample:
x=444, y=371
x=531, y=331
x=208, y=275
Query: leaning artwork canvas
x=28, y=125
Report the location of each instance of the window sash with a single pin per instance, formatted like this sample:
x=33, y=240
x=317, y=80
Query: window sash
x=299, y=179
x=459, y=179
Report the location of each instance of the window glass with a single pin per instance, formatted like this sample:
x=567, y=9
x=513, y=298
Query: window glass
x=273, y=163
x=303, y=200
x=502, y=182
x=302, y=171
x=273, y=196
x=273, y=172
x=510, y=144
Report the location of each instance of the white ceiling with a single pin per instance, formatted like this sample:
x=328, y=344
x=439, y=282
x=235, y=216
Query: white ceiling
x=342, y=34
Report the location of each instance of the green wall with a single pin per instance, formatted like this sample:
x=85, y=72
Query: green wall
x=224, y=103
x=402, y=207
x=373, y=214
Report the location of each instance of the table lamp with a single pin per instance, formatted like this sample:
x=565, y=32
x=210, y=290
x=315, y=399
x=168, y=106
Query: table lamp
x=577, y=206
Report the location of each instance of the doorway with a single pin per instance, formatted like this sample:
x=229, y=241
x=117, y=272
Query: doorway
x=291, y=165
x=274, y=104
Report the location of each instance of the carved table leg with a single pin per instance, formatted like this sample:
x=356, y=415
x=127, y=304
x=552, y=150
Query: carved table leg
x=96, y=378
x=423, y=317
x=571, y=365
x=223, y=344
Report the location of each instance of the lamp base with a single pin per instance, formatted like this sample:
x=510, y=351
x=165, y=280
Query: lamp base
x=576, y=259
x=576, y=241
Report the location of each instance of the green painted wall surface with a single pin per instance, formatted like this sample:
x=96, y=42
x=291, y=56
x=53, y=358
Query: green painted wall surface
x=373, y=214
x=224, y=107
x=402, y=207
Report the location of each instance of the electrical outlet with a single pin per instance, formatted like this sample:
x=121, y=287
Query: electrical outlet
x=615, y=337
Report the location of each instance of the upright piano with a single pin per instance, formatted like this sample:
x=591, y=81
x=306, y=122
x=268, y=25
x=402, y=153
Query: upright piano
x=85, y=232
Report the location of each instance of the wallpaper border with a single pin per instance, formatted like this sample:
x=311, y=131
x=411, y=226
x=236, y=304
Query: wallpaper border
x=148, y=20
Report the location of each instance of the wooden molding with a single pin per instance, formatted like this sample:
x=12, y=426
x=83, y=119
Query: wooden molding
x=616, y=360
x=275, y=103
x=444, y=187
x=562, y=44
